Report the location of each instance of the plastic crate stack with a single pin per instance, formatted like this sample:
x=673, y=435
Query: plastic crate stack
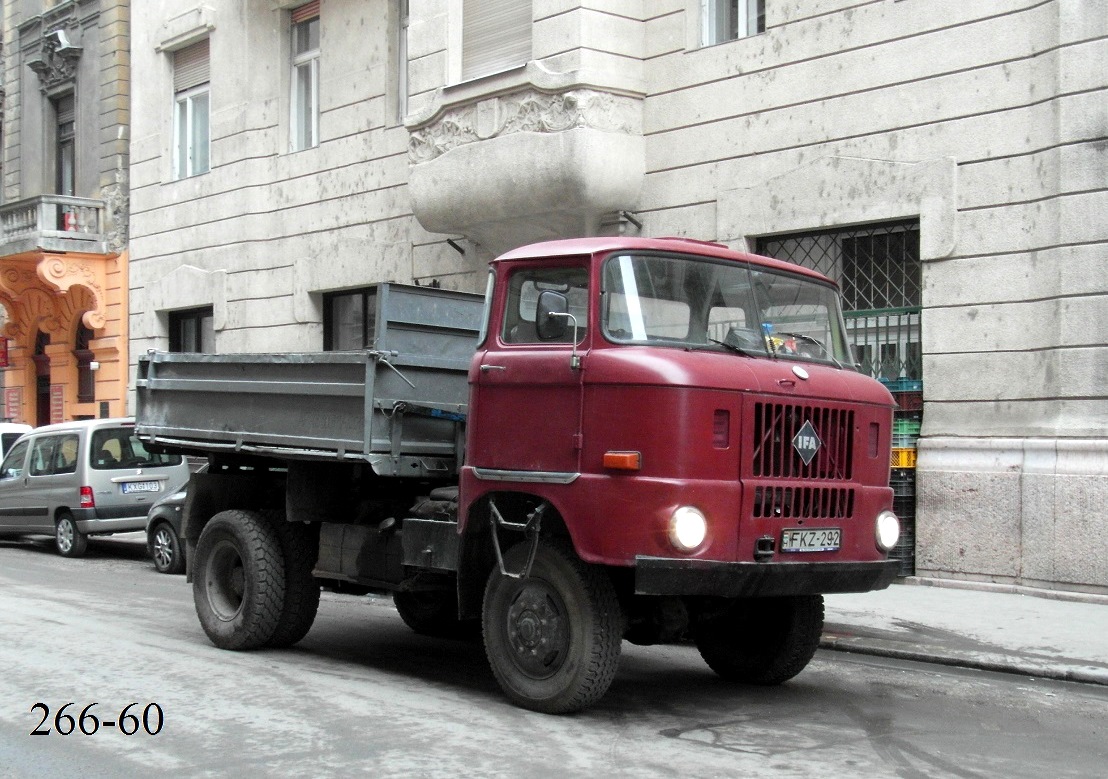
x=908, y=394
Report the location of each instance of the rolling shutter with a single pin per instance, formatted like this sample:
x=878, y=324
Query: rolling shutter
x=191, y=66
x=305, y=12
x=496, y=35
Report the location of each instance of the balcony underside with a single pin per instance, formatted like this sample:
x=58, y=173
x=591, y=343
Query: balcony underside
x=529, y=186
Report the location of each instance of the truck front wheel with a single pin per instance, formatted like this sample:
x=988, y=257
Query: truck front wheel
x=239, y=581
x=762, y=641
x=552, y=638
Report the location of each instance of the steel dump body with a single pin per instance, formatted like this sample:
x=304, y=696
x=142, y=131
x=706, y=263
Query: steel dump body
x=399, y=406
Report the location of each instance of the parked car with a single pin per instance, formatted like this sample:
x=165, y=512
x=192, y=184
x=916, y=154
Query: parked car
x=163, y=531
x=77, y=479
x=10, y=432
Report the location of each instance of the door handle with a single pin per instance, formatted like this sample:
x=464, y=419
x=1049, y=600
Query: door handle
x=487, y=368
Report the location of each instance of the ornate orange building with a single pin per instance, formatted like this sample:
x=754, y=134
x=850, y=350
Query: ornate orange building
x=65, y=84
x=66, y=335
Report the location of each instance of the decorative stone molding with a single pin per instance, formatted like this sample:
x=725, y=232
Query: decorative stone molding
x=56, y=62
x=847, y=190
x=117, y=201
x=529, y=110
x=60, y=274
x=42, y=295
x=186, y=286
x=186, y=28
x=24, y=302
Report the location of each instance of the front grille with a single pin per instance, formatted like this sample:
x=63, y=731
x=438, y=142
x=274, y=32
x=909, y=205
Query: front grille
x=775, y=426
x=803, y=502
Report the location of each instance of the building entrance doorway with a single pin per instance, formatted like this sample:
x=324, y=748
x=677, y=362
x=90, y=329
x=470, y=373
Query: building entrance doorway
x=42, y=380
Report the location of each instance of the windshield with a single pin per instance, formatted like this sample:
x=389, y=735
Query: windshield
x=711, y=304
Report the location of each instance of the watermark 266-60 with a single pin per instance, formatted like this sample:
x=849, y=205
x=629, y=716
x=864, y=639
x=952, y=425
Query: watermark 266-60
x=132, y=719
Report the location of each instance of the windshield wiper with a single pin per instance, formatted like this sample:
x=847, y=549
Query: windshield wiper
x=739, y=349
x=816, y=342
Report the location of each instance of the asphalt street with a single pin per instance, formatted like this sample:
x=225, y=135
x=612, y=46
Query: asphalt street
x=364, y=695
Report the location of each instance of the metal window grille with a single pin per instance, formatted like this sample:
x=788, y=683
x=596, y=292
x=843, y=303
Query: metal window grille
x=878, y=268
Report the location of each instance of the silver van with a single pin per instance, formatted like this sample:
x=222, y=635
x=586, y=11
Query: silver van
x=77, y=479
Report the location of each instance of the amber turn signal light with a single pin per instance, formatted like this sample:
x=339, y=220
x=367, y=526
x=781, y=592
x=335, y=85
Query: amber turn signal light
x=623, y=461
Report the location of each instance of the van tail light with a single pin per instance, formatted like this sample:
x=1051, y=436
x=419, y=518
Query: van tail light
x=87, y=501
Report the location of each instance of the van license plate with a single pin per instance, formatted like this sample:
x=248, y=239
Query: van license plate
x=827, y=539
x=140, y=486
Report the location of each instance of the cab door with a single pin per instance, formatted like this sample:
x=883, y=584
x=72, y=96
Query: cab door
x=525, y=419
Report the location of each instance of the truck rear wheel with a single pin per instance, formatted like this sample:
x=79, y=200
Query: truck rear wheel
x=299, y=547
x=239, y=581
x=553, y=638
x=762, y=641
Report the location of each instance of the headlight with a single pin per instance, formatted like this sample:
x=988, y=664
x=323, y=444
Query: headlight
x=887, y=530
x=687, y=528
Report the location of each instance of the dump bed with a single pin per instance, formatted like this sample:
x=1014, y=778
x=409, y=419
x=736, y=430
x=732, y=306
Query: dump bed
x=399, y=406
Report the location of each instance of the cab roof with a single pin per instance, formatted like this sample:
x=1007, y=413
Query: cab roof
x=577, y=247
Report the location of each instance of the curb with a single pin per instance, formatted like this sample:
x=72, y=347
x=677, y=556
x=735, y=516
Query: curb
x=1071, y=596
x=997, y=663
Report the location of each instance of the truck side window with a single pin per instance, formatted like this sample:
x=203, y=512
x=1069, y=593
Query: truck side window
x=524, y=289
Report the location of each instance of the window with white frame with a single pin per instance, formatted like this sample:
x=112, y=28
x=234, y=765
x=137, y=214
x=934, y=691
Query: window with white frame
x=192, y=108
x=304, y=121
x=496, y=36
x=728, y=20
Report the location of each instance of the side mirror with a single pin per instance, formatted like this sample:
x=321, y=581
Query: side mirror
x=552, y=315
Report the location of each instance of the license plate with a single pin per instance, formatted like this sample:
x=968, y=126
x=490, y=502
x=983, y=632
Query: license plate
x=140, y=486
x=825, y=539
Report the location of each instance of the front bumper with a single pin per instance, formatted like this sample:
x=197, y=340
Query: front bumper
x=667, y=576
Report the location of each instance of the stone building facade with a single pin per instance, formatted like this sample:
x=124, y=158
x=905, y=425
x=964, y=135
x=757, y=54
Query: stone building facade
x=64, y=217
x=411, y=140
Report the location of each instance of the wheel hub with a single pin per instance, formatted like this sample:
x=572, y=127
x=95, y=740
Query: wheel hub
x=163, y=551
x=65, y=536
x=225, y=581
x=537, y=630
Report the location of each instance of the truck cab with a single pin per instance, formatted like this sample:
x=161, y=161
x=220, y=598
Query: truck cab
x=684, y=405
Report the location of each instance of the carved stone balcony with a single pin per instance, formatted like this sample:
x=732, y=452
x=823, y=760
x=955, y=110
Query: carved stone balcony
x=534, y=158
x=55, y=223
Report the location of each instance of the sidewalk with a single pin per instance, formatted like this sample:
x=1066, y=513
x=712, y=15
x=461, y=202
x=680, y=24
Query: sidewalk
x=985, y=628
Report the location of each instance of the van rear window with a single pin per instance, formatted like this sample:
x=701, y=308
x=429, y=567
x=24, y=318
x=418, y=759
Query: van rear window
x=117, y=447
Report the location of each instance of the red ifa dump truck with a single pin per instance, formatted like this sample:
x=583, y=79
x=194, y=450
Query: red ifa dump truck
x=651, y=440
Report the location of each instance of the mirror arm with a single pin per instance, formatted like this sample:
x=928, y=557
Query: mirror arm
x=574, y=357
